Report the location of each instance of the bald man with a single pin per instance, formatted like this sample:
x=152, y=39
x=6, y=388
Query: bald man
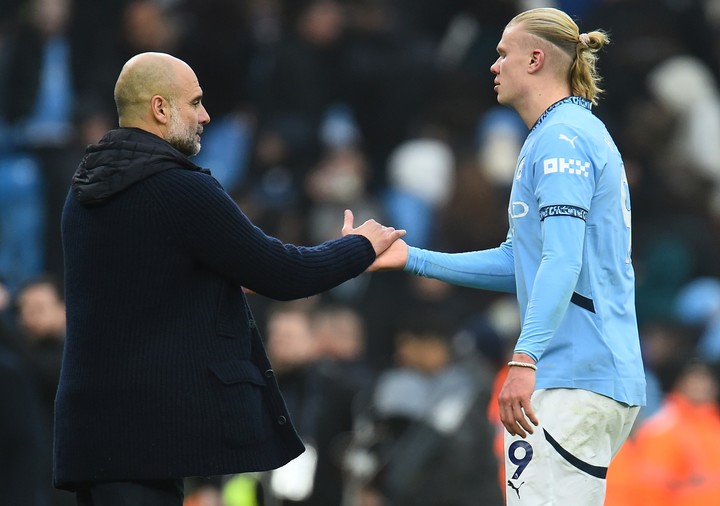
x=164, y=374
x=171, y=90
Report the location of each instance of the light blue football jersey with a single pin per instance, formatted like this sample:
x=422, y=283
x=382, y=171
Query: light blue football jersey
x=568, y=252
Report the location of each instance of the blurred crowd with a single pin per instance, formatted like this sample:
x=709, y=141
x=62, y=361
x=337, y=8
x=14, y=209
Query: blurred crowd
x=385, y=107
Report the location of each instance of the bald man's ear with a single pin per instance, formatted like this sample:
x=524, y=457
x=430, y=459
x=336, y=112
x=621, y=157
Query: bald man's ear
x=160, y=109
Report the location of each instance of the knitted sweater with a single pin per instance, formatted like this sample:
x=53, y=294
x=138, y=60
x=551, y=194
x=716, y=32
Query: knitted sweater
x=164, y=372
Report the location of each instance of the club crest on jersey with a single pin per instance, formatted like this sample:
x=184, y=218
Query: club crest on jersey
x=566, y=166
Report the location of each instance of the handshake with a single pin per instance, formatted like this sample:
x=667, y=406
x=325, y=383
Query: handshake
x=391, y=252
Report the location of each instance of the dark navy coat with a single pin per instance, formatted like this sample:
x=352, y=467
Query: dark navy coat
x=164, y=373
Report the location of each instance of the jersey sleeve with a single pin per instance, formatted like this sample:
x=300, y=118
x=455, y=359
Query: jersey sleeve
x=491, y=269
x=562, y=250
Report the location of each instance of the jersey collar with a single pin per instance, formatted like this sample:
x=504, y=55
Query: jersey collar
x=582, y=102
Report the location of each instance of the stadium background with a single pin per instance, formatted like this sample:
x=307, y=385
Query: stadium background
x=385, y=107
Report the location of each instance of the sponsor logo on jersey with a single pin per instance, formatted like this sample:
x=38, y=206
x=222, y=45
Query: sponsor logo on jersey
x=563, y=210
x=564, y=137
x=566, y=166
x=516, y=489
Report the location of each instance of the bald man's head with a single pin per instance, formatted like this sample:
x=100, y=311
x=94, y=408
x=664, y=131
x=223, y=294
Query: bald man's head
x=142, y=77
x=161, y=94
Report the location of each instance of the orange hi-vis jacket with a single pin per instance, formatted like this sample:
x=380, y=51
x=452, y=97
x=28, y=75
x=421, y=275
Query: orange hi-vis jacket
x=672, y=460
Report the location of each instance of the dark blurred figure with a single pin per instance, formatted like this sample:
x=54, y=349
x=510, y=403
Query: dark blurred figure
x=643, y=33
x=319, y=392
x=390, y=296
x=23, y=437
x=424, y=437
x=340, y=341
x=219, y=38
x=474, y=194
x=37, y=96
x=104, y=36
x=301, y=79
x=24, y=432
x=95, y=30
x=216, y=38
x=387, y=76
x=293, y=81
x=41, y=322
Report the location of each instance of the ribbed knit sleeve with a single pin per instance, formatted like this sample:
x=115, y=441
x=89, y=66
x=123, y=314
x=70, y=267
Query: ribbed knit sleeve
x=210, y=225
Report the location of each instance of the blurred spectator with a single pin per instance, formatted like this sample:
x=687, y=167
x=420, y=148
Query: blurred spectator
x=673, y=458
x=388, y=296
x=643, y=33
x=421, y=177
x=476, y=215
x=339, y=333
x=36, y=114
x=688, y=160
x=95, y=32
x=301, y=80
x=319, y=397
x=41, y=322
x=340, y=180
x=666, y=346
x=25, y=426
x=212, y=35
x=500, y=135
x=424, y=437
x=22, y=219
x=147, y=25
x=24, y=442
x=37, y=96
x=698, y=306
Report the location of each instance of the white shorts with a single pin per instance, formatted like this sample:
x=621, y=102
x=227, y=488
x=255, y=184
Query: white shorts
x=565, y=461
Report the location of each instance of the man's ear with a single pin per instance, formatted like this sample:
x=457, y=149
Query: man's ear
x=537, y=59
x=160, y=109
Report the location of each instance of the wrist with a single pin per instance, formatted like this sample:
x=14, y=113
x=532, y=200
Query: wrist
x=522, y=360
x=521, y=356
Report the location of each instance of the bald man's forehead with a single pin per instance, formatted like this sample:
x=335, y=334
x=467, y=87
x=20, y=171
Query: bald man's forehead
x=187, y=84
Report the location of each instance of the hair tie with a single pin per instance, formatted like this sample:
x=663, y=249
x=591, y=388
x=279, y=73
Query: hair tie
x=584, y=39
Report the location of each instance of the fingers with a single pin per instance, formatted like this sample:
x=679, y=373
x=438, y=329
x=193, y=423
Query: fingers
x=379, y=235
x=396, y=234
x=517, y=420
x=530, y=413
x=348, y=219
x=514, y=401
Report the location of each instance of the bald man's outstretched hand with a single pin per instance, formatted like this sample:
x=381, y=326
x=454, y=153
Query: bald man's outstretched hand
x=380, y=236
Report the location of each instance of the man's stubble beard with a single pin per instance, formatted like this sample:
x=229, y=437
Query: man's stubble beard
x=181, y=137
